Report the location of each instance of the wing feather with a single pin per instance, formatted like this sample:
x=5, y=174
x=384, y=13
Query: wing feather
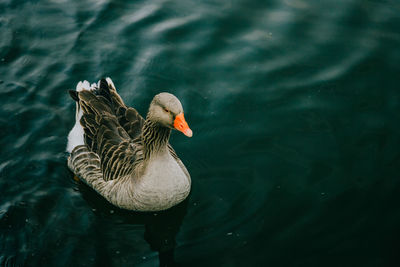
x=104, y=134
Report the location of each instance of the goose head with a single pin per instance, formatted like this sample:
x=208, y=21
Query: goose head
x=166, y=110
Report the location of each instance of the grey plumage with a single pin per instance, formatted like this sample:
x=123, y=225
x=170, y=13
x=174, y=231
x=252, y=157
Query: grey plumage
x=125, y=158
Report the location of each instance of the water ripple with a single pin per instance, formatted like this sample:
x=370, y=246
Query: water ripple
x=294, y=106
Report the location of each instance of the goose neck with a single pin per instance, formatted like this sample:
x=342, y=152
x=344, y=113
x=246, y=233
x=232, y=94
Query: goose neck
x=155, y=138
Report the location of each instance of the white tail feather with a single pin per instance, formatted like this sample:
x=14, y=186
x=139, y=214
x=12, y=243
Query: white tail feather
x=110, y=82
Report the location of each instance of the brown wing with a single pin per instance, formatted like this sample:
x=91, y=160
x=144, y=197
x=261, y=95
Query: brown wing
x=104, y=135
x=127, y=117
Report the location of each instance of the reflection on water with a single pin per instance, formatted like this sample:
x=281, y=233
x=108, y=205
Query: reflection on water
x=294, y=107
x=160, y=231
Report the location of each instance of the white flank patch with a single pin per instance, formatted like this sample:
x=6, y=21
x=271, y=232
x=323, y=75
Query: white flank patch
x=75, y=136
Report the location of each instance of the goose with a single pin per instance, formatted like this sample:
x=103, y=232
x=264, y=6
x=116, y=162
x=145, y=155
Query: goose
x=125, y=158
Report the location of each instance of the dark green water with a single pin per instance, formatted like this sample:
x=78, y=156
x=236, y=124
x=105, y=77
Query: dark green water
x=295, y=108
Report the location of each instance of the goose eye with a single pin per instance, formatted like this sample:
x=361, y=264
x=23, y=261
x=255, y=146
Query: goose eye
x=166, y=110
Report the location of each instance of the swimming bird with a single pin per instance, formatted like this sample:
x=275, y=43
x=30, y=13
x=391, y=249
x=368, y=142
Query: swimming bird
x=125, y=158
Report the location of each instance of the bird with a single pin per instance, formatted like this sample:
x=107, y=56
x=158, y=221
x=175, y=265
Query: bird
x=124, y=157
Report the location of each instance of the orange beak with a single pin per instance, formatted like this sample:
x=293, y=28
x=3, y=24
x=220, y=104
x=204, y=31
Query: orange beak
x=181, y=125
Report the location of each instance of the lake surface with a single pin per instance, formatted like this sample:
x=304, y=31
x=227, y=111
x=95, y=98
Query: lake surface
x=295, y=109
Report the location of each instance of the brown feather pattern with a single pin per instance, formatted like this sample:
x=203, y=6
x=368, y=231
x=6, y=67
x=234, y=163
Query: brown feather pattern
x=102, y=120
x=117, y=140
